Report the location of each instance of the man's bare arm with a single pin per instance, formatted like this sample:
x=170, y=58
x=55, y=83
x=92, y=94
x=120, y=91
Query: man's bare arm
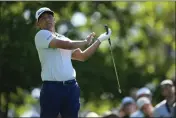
x=84, y=55
x=70, y=45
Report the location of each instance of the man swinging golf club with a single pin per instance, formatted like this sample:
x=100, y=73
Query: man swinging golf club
x=60, y=91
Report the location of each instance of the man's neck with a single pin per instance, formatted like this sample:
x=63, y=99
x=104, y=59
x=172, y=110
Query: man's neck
x=50, y=29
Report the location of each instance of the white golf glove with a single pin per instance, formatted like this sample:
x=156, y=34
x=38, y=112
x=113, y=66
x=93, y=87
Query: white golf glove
x=104, y=36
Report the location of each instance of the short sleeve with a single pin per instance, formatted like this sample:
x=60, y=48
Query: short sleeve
x=43, y=38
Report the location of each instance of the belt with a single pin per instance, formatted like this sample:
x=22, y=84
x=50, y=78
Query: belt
x=68, y=82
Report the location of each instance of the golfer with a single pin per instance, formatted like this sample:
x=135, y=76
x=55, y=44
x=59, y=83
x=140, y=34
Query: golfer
x=60, y=91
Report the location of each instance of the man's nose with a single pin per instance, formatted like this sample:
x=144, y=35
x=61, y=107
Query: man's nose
x=47, y=19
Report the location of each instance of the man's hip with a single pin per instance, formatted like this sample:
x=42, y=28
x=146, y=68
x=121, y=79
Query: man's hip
x=60, y=97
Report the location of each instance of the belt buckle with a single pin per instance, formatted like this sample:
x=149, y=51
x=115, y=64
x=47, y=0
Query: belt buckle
x=64, y=83
x=68, y=82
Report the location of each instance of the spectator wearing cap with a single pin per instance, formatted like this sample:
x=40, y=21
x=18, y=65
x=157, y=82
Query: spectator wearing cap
x=128, y=107
x=145, y=106
x=166, y=107
x=142, y=92
x=92, y=114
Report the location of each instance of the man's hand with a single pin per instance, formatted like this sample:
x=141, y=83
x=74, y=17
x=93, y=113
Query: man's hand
x=104, y=36
x=89, y=38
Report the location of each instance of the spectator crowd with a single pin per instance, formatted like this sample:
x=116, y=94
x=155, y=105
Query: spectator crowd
x=141, y=105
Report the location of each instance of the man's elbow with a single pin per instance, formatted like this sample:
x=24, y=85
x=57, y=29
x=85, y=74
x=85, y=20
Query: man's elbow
x=83, y=58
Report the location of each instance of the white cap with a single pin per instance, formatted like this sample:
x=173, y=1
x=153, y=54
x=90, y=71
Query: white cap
x=35, y=93
x=164, y=82
x=142, y=91
x=92, y=114
x=41, y=11
x=127, y=100
x=142, y=101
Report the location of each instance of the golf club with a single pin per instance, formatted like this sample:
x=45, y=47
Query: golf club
x=106, y=28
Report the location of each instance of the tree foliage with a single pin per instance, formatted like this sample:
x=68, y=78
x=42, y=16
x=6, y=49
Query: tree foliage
x=143, y=40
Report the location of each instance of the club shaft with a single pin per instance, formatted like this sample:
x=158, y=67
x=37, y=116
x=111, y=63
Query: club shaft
x=115, y=68
x=106, y=28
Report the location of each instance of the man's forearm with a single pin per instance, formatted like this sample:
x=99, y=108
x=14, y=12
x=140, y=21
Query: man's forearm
x=91, y=50
x=78, y=44
x=70, y=45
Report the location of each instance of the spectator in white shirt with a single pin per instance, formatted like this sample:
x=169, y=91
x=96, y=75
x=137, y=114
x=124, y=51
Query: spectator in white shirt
x=166, y=107
x=145, y=106
x=142, y=92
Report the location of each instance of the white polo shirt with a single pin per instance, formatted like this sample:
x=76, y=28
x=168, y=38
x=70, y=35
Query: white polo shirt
x=161, y=110
x=137, y=114
x=55, y=63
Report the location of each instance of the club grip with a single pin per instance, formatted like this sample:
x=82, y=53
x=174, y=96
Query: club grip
x=106, y=28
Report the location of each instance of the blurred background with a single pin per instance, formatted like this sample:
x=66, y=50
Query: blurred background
x=143, y=42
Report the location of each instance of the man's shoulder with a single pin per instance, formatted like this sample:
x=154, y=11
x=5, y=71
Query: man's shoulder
x=62, y=37
x=59, y=35
x=40, y=32
x=160, y=105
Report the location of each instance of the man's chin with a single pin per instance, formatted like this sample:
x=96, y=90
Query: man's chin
x=49, y=26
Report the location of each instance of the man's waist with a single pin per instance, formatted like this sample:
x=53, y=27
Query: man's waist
x=67, y=82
